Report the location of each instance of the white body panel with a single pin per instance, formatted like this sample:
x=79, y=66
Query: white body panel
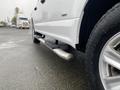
x=60, y=19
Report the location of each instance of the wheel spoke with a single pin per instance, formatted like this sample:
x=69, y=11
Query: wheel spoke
x=112, y=57
x=113, y=83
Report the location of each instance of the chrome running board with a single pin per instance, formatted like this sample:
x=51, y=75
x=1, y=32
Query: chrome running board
x=60, y=52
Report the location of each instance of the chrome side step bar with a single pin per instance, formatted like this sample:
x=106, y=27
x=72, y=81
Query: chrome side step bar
x=42, y=40
x=61, y=53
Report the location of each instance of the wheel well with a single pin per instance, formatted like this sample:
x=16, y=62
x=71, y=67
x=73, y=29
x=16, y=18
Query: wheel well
x=93, y=11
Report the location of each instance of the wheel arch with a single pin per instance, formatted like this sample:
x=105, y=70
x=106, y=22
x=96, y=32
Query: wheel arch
x=93, y=11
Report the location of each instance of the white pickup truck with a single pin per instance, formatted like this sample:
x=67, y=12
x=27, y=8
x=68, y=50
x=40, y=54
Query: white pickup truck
x=89, y=26
x=22, y=22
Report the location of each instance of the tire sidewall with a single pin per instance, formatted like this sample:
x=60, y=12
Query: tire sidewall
x=103, y=31
x=92, y=63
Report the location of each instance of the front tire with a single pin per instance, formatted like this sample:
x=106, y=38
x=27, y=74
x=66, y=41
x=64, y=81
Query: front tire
x=35, y=40
x=104, y=32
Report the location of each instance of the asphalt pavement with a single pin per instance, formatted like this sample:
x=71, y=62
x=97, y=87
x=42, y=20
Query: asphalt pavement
x=27, y=66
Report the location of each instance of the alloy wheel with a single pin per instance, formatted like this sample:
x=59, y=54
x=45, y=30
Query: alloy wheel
x=109, y=64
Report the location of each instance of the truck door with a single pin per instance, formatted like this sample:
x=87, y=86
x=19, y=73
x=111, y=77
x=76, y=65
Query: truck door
x=59, y=19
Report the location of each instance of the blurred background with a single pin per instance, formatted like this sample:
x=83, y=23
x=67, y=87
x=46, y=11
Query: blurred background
x=14, y=13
